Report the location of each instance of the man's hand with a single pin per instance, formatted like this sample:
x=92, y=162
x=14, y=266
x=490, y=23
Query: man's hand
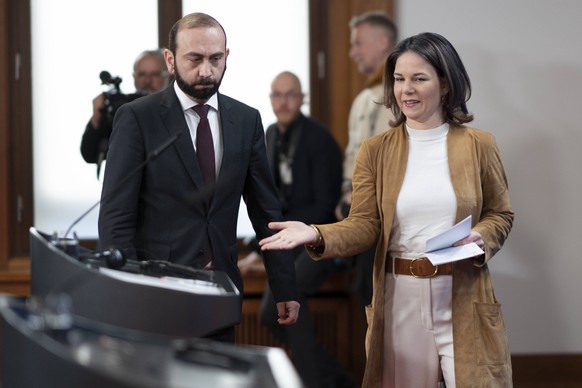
x=98, y=105
x=288, y=312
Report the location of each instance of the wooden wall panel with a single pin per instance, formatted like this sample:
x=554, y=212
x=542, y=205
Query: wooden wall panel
x=331, y=316
x=4, y=137
x=342, y=82
x=20, y=196
x=169, y=11
x=16, y=194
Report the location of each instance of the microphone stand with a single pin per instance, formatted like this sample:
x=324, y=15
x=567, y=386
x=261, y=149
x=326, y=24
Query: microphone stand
x=152, y=155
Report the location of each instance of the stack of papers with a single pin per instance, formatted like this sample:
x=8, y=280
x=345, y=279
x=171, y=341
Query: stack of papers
x=440, y=250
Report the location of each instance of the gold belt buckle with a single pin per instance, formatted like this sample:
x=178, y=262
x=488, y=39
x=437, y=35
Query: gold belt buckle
x=436, y=269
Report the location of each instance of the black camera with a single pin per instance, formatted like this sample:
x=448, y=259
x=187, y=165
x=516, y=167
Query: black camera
x=114, y=98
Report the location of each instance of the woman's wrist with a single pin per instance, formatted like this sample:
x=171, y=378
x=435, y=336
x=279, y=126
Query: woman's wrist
x=318, y=239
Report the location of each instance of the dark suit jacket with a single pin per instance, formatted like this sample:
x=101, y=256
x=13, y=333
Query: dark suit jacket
x=316, y=169
x=164, y=212
x=94, y=142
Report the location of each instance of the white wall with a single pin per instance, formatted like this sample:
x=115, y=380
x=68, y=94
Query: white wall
x=525, y=62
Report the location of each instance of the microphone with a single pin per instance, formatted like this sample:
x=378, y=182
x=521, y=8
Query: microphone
x=106, y=78
x=114, y=258
x=152, y=155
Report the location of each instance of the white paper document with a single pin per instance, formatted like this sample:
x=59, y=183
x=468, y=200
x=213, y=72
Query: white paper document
x=440, y=250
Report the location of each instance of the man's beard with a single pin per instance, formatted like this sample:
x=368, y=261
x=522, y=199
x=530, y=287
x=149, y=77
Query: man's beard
x=198, y=94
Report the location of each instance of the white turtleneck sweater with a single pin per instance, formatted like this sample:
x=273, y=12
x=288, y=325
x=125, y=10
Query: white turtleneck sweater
x=426, y=204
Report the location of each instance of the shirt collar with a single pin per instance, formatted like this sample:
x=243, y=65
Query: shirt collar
x=187, y=102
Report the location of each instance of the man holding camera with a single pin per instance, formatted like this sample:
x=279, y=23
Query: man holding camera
x=150, y=75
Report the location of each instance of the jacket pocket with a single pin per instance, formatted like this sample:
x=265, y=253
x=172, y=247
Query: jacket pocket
x=369, y=319
x=490, y=336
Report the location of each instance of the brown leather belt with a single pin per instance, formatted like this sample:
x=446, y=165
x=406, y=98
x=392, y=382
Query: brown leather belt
x=419, y=268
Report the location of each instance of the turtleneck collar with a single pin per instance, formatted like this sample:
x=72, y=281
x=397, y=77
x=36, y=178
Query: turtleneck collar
x=428, y=134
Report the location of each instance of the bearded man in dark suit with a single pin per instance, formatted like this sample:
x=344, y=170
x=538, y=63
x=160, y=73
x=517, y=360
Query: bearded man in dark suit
x=170, y=210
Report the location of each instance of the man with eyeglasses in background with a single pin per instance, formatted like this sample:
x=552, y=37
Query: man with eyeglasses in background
x=306, y=163
x=150, y=75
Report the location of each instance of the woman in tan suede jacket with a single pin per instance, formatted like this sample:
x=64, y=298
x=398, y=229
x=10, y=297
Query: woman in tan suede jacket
x=425, y=324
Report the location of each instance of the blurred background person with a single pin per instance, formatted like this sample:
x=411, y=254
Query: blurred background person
x=306, y=163
x=150, y=75
x=373, y=35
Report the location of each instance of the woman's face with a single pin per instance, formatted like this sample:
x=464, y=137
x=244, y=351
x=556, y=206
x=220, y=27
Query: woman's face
x=418, y=91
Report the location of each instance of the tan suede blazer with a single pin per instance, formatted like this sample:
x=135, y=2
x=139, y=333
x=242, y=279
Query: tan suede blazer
x=482, y=357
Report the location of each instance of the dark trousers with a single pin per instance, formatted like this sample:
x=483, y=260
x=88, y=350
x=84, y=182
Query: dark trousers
x=315, y=365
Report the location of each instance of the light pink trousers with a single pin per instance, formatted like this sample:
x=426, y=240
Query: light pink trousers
x=418, y=332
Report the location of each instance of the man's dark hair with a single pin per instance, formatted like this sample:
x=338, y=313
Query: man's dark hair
x=193, y=20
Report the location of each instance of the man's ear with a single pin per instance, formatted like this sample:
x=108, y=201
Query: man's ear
x=169, y=57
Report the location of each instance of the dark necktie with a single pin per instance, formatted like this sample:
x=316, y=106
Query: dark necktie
x=204, y=145
x=205, y=155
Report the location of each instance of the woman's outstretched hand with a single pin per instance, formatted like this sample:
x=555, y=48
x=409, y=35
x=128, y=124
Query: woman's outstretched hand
x=291, y=234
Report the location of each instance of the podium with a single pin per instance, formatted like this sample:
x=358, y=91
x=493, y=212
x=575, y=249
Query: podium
x=37, y=350
x=90, y=325
x=156, y=297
